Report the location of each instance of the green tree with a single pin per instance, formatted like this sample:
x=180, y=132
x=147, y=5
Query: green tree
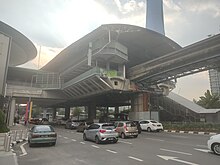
x=76, y=112
x=3, y=127
x=208, y=101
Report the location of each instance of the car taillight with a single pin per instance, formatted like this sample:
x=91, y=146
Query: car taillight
x=102, y=131
x=125, y=127
x=53, y=135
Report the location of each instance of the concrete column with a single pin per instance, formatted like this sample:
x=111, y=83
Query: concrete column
x=91, y=112
x=54, y=113
x=67, y=112
x=45, y=113
x=12, y=112
x=140, y=107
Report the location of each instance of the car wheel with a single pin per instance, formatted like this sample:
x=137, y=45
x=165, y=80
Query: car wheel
x=216, y=148
x=54, y=143
x=97, y=140
x=123, y=135
x=148, y=129
x=84, y=137
x=135, y=136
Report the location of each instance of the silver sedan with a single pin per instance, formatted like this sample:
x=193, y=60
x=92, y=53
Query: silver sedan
x=101, y=132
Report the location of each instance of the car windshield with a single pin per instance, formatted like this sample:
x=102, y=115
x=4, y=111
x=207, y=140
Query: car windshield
x=108, y=126
x=43, y=129
x=130, y=124
x=153, y=121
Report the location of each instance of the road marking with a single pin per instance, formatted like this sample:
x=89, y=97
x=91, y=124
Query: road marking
x=184, y=153
x=202, y=150
x=82, y=143
x=155, y=139
x=73, y=140
x=65, y=137
x=124, y=142
x=23, y=149
x=184, y=137
x=114, y=152
x=175, y=159
x=204, y=146
x=95, y=146
x=134, y=158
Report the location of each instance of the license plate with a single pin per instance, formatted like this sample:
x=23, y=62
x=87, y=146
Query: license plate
x=110, y=138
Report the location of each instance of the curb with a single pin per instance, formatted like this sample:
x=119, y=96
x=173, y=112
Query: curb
x=191, y=132
x=16, y=142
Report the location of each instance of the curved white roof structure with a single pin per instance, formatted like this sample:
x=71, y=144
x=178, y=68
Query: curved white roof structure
x=22, y=49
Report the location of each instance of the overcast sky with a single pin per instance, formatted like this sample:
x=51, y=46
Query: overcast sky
x=55, y=24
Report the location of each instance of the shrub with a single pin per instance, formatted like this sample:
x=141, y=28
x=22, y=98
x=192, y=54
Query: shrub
x=204, y=127
x=3, y=127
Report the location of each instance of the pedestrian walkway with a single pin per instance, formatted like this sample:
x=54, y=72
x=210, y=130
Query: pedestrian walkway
x=9, y=158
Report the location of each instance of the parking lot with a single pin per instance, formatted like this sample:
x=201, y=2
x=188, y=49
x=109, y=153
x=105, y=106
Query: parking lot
x=154, y=148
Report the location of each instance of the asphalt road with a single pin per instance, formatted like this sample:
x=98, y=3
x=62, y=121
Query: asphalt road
x=148, y=149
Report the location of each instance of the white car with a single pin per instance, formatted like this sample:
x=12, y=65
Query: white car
x=214, y=144
x=150, y=125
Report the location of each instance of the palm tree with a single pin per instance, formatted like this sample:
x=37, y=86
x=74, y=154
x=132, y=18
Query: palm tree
x=209, y=101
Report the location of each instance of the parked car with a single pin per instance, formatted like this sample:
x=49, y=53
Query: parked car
x=82, y=126
x=34, y=120
x=101, y=132
x=71, y=124
x=42, y=134
x=43, y=121
x=151, y=125
x=214, y=144
x=126, y=129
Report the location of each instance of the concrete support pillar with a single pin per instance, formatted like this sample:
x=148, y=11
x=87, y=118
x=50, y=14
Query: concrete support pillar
x=45, y=113
x=140, y=107
x=91, y=112
x=67, y=112
x=140, y=102
x=12, y=112
x=54, y=113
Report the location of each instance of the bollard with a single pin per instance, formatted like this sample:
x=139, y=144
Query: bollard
x=25, y=134
x=7, y=148
x=20, y=135
x=15, y=136
x=6, y=140
x=6, y=134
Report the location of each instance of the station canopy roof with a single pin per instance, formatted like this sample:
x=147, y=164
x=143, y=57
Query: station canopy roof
x=22, y=49
x=142, y=44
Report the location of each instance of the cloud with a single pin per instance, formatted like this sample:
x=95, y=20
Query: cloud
x=211, y=7
x=193, y=86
